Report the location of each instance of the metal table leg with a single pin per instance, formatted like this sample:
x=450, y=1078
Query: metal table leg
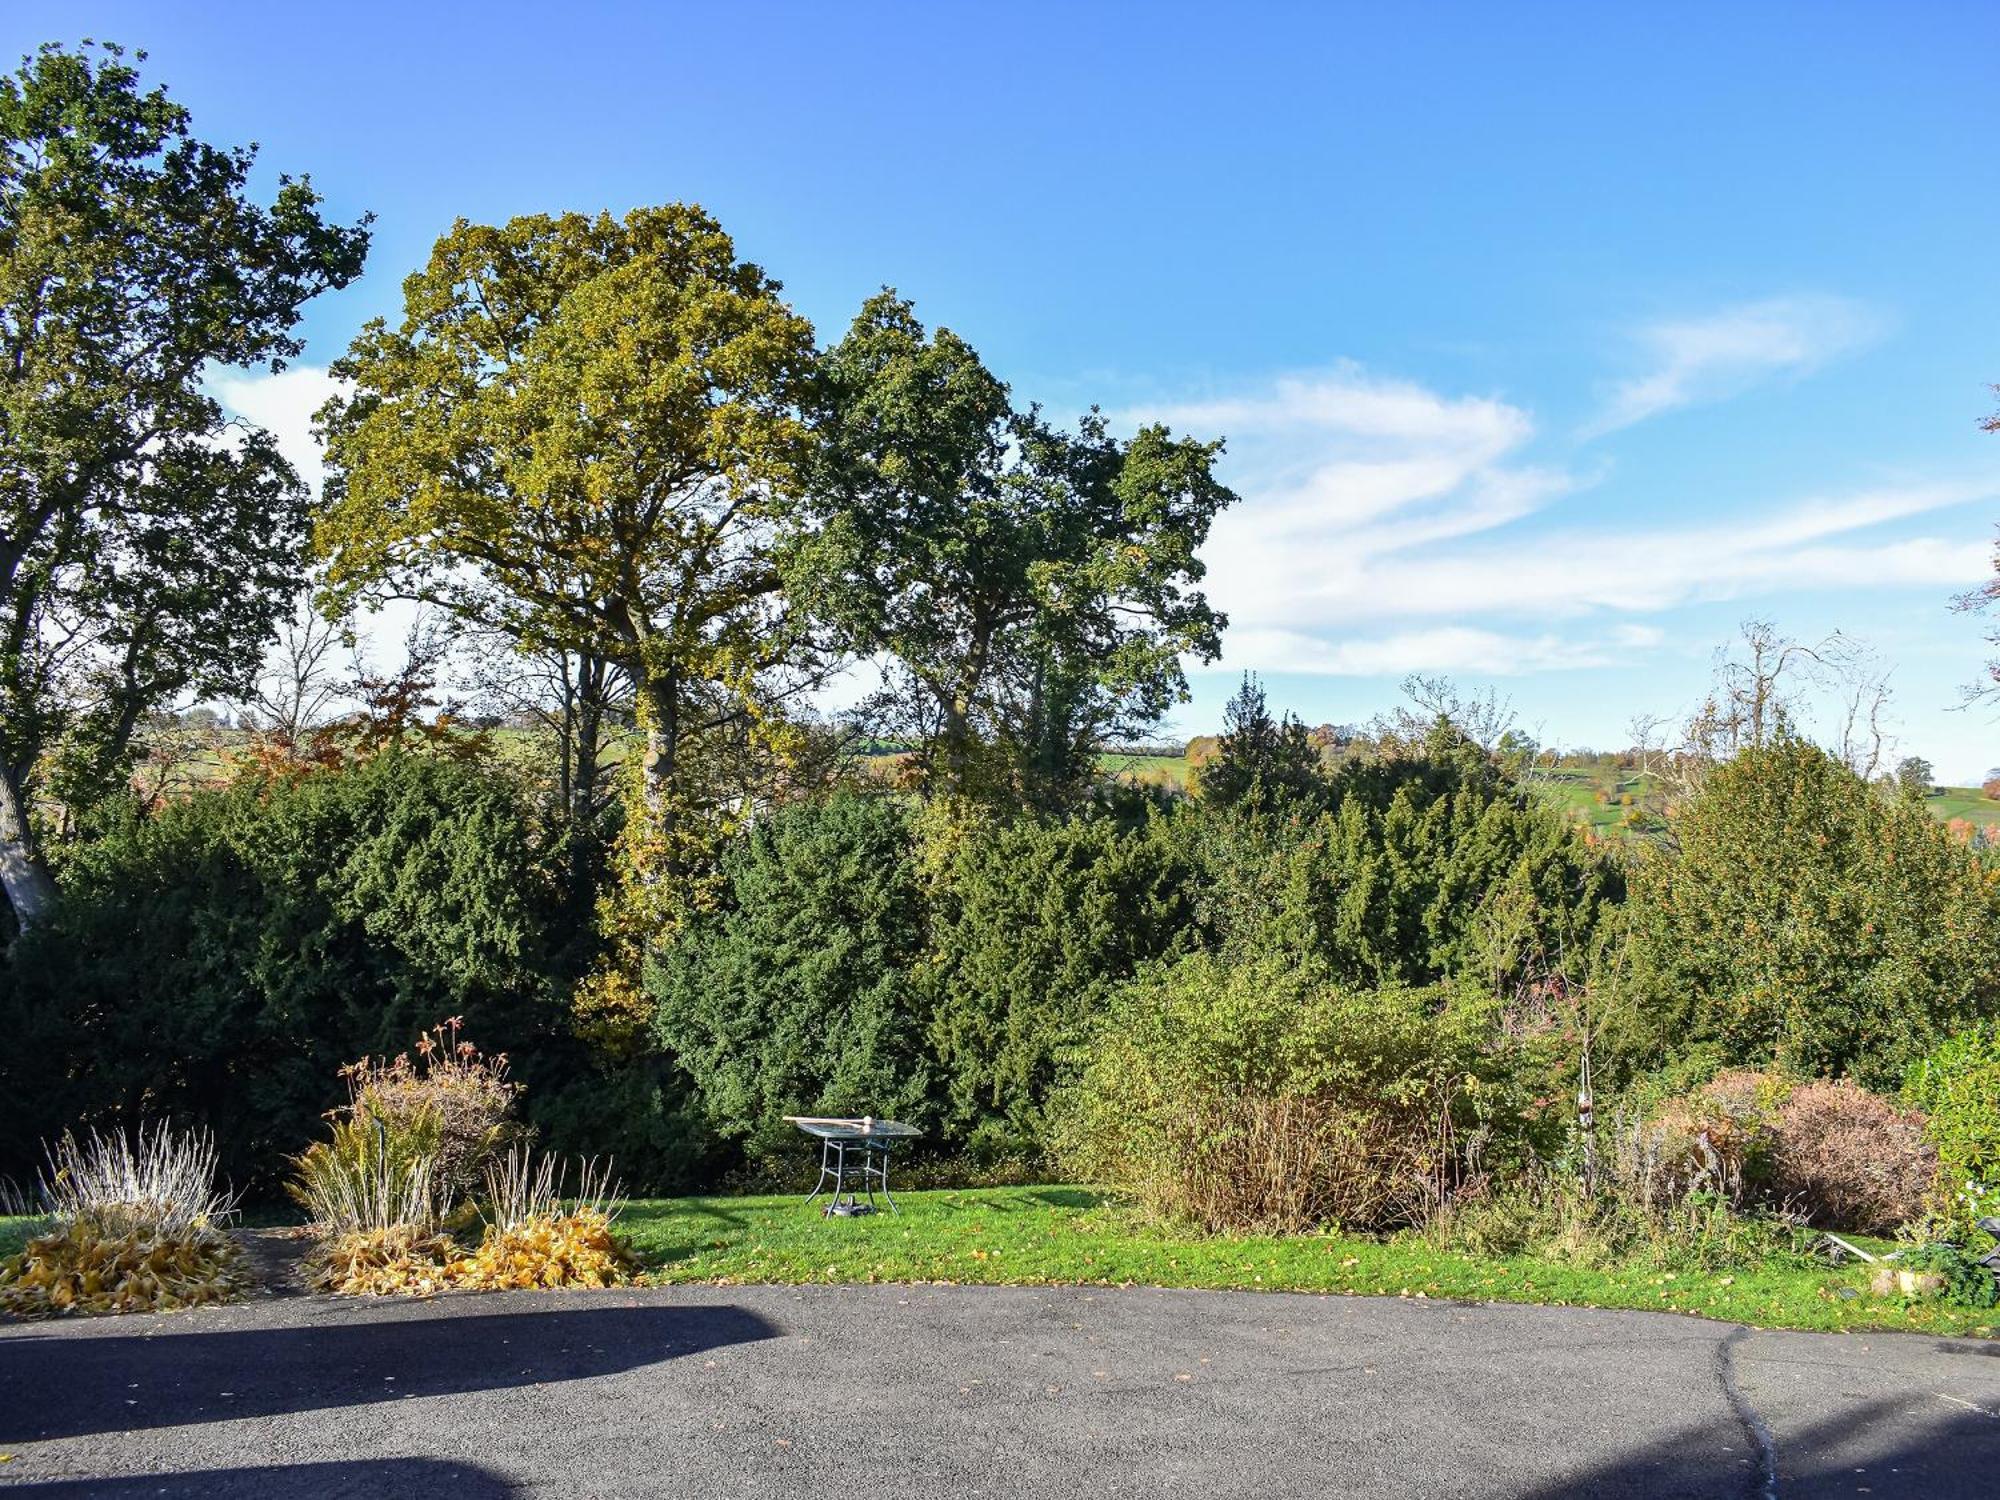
x=825, y=1171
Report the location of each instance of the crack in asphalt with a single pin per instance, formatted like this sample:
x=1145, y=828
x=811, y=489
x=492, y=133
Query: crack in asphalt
x=1746, y=1414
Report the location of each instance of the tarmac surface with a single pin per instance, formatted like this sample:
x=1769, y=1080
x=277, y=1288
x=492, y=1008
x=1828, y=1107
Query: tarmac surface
x=965, y=1392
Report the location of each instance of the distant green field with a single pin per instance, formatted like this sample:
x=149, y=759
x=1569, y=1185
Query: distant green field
x=1966, y=802
x=1602, y=800
x=1158, y=770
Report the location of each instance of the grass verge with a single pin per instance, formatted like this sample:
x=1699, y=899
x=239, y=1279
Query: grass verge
x=1066, y=1236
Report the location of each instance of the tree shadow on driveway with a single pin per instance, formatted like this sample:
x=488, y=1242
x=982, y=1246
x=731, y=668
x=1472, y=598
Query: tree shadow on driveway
x=361, y=1479
x=59, y=1387
x=1887, y=1449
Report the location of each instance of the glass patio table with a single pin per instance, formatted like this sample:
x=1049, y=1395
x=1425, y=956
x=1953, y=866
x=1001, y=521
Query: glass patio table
x=853, y=1148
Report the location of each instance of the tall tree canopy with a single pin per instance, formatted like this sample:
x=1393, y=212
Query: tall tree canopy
x=584, y=432
x=1033, y=589
x=147, y=547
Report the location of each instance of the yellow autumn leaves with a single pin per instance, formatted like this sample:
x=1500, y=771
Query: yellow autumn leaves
x=543, y=1252
x=88, y=1267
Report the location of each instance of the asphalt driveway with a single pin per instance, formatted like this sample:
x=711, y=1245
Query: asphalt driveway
x=965, y=1392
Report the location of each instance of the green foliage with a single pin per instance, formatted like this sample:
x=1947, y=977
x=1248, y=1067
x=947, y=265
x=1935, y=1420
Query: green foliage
x=797, y=996
x=1808, y=921
x=1035, y=588
x=585, y=434
x=1256, y=1094
x=1033, y=924
x=1261, y=760
x=1958, y=1087
x=1966, y=1282
x=221, y=959
x=133, y=264
x=1425, y=868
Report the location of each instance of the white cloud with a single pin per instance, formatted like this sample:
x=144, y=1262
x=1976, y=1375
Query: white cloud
x=1562, y=575
x=1447, y=648
x=1381, y=531
x=283, y=404
x=1709, y=358
x=1340, y=467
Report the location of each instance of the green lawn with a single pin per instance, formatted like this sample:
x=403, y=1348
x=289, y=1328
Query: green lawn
x=14, y=1234
x=1066, y=1236
x=1583, y=795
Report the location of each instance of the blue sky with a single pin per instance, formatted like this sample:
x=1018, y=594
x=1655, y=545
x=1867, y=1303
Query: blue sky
x=1551, y=342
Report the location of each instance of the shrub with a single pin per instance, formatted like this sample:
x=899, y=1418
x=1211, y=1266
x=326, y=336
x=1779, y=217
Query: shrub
x=1428, y=867
x=220, y=958
x=413, y=1140
x=1807, y=922
x=1958, y=1088
x=139, y=1226
x=1251, y=1095
x=1965, y=1280
x=1844, y=1158
x=453, y=1103
x=1033, y=925
x=796, y=996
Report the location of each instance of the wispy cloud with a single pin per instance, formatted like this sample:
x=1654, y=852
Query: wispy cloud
x=1445, y=648
x=1708, y=358
x=1386, y=527
x=1568, y=574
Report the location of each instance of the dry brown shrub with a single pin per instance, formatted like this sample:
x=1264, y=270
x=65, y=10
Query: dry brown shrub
x=1849, y=1159
x=1283, y=1165
x=457, y=1097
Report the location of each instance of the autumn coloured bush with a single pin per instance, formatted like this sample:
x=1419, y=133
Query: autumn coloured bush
x=1848, y=1159
x=138, y=1224
x=416, y=1153
x=451, y=1102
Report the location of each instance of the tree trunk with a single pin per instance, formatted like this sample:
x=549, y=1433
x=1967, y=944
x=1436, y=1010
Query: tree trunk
x=29, y=890
x=660, y=699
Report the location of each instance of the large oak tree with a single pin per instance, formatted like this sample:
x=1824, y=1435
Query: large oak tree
x=1032, y=590
x=584, y=433
x=147, y=548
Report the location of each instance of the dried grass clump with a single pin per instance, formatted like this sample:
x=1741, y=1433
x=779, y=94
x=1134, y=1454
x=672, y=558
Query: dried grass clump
x=537, y=1237
x=157, y=1180
x=139, y=1225
x=367, y=1178
x=400, y=1260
